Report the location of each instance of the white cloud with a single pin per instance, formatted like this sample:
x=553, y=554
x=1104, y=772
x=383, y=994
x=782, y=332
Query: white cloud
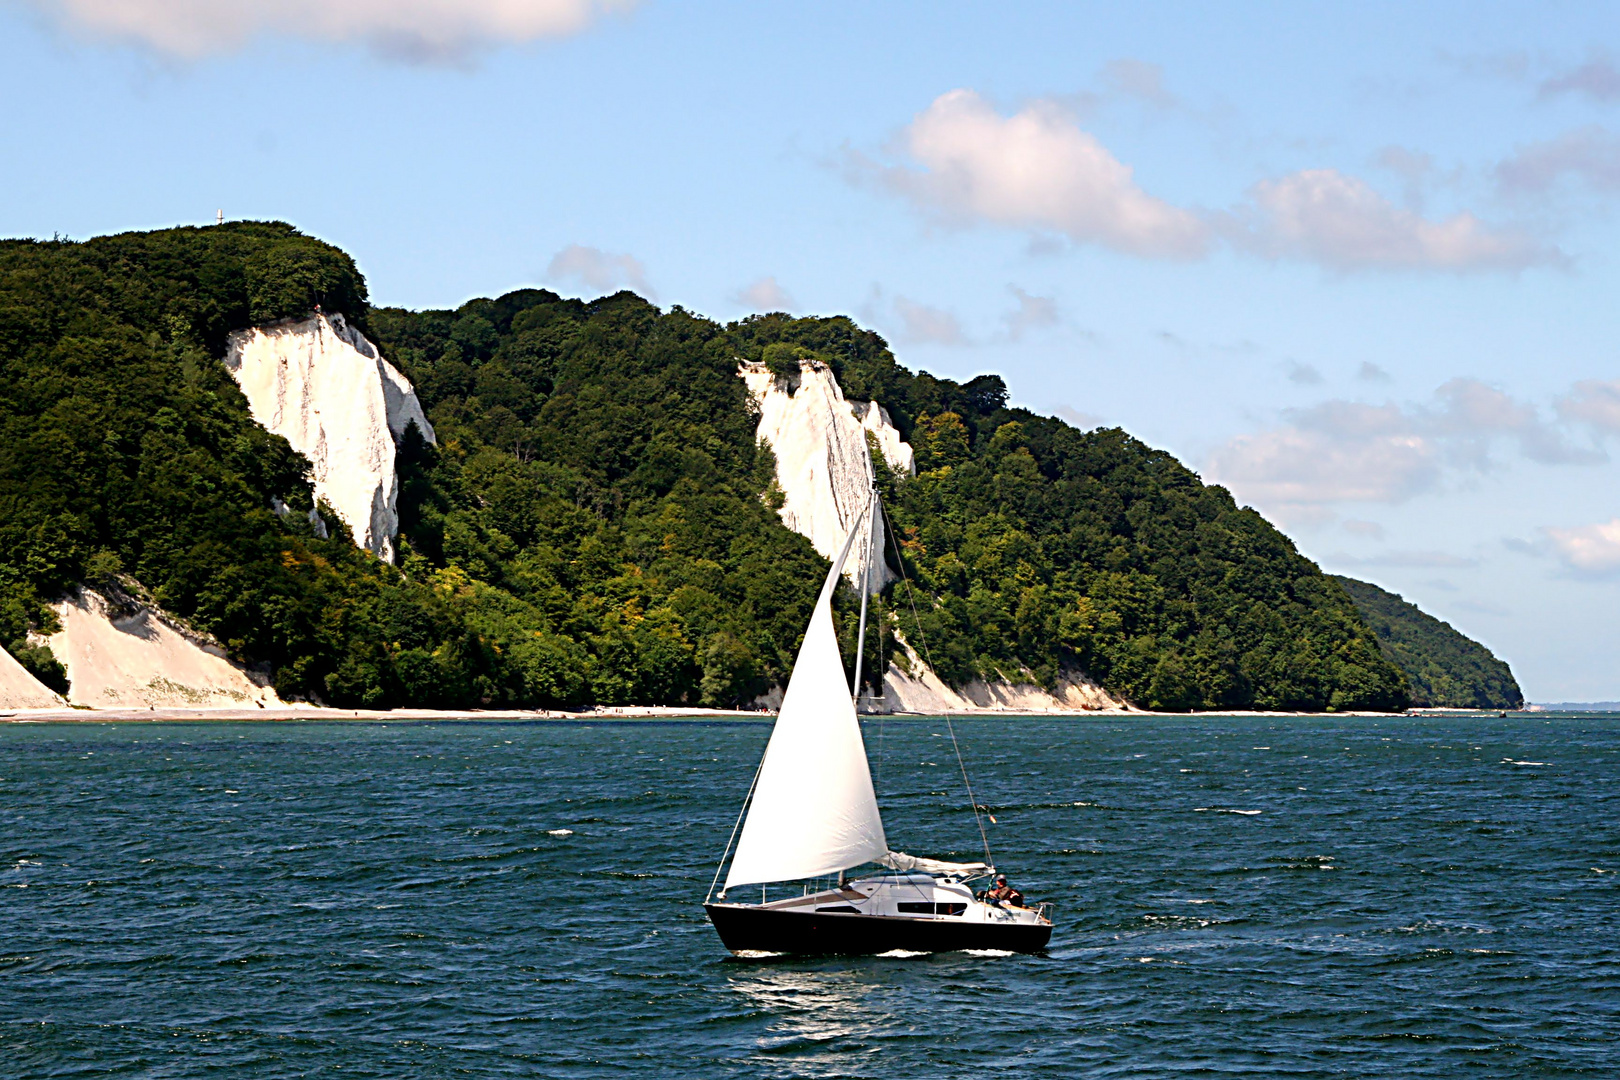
x=1303, y=374
x=1413, y=166
x=766, y=294
x=1371, y=372
x=1591, y=154
x=418, y=30
x=1587, y=550
x=1338, y=451
x=1595, y=403
x=599, y=270
x=1039, y=171
x=1083, y=420
x=1138, y=79
x=1033, y=313
x=1471, y=414
x=928, y=325
x=1340, y=221
x=1597, y=79
x=1035, y=170
x=1345, y=451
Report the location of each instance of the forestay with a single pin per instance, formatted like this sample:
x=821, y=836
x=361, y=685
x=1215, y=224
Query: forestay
x=814, y=811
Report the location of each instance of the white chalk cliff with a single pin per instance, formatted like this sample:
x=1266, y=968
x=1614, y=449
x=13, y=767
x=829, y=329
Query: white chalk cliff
x=20, y=690
x=822, y=461
x=139, y=657
x=321, y=385
x=920, y=690
x=822, y=467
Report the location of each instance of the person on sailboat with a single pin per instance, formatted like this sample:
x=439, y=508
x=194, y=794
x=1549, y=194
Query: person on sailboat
x=1004, y=893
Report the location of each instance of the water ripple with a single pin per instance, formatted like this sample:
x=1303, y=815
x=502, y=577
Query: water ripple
x=1260, y=897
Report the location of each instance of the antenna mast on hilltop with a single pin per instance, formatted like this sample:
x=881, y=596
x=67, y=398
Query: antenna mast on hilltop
x=219, y=217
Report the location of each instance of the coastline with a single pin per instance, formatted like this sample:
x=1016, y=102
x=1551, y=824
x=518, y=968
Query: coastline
x=296, y=713
x=306, y=713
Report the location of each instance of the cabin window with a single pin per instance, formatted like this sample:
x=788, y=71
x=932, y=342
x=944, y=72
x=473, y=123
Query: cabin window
x=913, y=907
x=841, y=909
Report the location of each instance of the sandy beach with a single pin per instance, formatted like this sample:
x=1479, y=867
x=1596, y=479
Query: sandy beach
x=292, y=714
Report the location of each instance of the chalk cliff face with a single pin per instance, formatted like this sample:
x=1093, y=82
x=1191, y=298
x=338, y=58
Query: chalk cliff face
x=920, y=690
x=822, y=461
x=123, y=657
x=320, y=384
x=822, y=467
x=20, y=690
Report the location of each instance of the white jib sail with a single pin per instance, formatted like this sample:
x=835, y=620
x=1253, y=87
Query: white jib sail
x=814, y=811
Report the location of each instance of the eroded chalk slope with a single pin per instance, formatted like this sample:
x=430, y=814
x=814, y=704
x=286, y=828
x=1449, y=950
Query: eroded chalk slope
x=322, y=386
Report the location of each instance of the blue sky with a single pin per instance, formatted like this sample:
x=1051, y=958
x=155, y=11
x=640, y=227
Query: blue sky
x=1355, y=261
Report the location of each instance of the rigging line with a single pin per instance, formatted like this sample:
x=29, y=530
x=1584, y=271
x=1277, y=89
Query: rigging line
x=757, y=769
x=866, y=588
x=883, y=708
x=922, y=638
x=882, y=621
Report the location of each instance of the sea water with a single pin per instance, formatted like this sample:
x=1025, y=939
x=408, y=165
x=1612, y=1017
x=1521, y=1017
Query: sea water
x=1300, y=897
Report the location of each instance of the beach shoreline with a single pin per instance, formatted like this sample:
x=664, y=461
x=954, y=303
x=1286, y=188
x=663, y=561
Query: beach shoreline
x=309, y=713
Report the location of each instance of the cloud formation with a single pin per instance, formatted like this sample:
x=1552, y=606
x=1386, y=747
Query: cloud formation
x=1138, y=79
x=766, y=294
x=413, y=30
x=598, y=270
x=1032, y=313
x=925, y=325
x=1596, y=79
x=1340, y=221
x=1347, y=452
x=1587, y=550
x=1594, y=403
x=1471, y=415
x=1339, y=451
x=1036, y=170
x=1590, y=154
x=1083, y=420
x=1303, y=374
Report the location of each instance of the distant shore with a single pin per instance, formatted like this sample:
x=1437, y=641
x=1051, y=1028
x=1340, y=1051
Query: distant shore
x=293, y=714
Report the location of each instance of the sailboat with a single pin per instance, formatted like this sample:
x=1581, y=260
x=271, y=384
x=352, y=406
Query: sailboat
x=812, y=813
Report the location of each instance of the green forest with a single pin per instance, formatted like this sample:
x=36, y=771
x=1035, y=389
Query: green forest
x=597, y=523
x=1443, y=668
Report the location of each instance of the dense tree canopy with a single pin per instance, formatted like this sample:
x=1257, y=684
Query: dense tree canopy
x=1444, y=668
x=1043, y=547
x=597, y=522
x=125, y=447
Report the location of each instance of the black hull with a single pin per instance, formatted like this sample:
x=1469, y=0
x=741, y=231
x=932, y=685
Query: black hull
x=744, y=928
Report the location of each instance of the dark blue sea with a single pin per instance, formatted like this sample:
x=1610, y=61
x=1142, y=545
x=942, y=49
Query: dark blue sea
x=1301, y=897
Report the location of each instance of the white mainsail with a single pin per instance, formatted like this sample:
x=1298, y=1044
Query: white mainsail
x=814, y=811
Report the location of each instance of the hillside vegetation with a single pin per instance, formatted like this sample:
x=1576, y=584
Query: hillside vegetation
x=1444, y=668
x=1043, y=547
x=597, y=523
